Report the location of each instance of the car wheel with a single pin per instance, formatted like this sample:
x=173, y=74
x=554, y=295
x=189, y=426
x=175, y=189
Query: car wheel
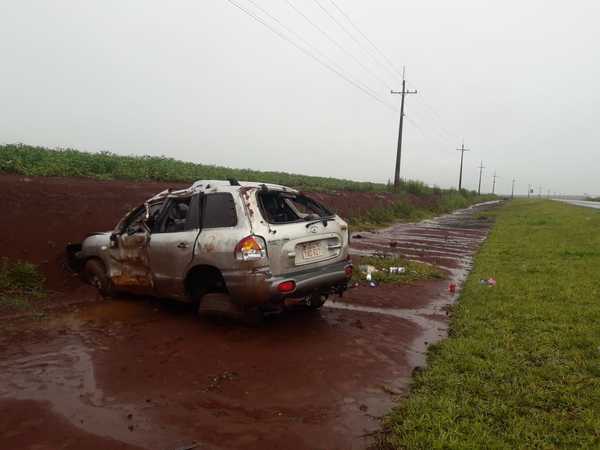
x=95, y=274
x=315, y=302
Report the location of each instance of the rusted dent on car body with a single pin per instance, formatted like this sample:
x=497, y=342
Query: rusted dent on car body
x=129, y=280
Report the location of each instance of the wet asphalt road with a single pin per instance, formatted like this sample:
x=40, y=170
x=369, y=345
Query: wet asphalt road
x=140, y=373
x=586, y=204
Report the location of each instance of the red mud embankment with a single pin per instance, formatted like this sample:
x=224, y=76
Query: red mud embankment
x=42, y=215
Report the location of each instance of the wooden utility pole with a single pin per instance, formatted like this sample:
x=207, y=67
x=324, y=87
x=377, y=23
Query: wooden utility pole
x=462, y=151
x=403, y=92
x=494, y=185
x=512, y=194
x=481, y=167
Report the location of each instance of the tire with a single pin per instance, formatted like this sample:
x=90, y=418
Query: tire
x=94, y=273
x=315, y=302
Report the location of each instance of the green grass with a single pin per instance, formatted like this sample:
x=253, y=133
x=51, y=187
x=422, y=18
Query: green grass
x=521, y=368
x=414, y=270
x=20, y=284
x=403, y=210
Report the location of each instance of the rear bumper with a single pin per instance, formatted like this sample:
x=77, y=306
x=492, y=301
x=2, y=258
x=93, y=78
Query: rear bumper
x=256, y=288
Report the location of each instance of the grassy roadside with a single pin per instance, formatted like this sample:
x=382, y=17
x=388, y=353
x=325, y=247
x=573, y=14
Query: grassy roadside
x=521, y=368
x=411, y=270
x=404, y=211
x=21, y=285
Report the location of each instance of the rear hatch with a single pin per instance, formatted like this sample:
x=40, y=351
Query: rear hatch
x=301, y=233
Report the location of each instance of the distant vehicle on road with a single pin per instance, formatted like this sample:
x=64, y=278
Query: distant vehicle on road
x=226, y=246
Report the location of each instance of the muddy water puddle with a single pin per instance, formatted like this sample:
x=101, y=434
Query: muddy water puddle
x=139, y=373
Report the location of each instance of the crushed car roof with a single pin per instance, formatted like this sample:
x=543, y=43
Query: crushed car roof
x=220, y=186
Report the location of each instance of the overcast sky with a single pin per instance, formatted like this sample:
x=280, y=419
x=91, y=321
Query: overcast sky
x=203, y=81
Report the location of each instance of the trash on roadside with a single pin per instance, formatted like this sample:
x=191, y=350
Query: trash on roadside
x=367, y=268
x=373, y=284
x=397, y=269
x=369, y=277
x=491, y=282
x=452, y=287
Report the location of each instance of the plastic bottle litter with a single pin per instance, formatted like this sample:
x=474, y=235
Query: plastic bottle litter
x=372, y=284
x=491, y=282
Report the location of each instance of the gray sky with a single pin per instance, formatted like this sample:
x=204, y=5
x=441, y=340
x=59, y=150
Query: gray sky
x=202, y=81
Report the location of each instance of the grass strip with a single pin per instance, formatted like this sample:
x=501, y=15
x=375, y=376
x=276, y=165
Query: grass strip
x=521, y=368
x=20, y=284
x=411, y=271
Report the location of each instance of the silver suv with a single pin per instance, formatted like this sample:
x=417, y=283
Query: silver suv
x=227, y=246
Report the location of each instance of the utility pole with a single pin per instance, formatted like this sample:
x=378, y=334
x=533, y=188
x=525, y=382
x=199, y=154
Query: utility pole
x=528, y=190
x=512, y=194
x=399, y=151
x=494, y=185
x=462, y=151
x=481, y=167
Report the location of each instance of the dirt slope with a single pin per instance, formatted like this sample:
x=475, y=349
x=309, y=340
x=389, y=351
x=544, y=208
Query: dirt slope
x=42, y=215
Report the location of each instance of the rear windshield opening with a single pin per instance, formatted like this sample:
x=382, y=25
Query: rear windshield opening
x=285, y=207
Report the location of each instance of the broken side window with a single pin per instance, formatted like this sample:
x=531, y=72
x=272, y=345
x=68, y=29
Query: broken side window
x=132, y=222
x=175, y=218
x=286, y=207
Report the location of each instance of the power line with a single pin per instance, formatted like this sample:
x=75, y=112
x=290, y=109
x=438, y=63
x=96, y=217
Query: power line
x=310, y=54
x=302, y=39
x=332, y=17
x=390, y=64
x=396, y=71
x=337, y=44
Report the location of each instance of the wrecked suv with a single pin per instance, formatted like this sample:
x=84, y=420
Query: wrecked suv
x=226, y=246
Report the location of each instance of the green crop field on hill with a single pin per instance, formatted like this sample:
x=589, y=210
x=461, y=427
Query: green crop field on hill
x=40, y=161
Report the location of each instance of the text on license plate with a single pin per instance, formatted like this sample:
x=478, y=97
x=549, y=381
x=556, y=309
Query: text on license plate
x=311, y=250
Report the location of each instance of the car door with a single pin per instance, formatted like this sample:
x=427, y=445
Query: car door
x=132, y=273
x=171, y=245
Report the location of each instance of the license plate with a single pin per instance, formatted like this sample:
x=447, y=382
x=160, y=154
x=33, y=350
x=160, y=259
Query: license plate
x=311, y=250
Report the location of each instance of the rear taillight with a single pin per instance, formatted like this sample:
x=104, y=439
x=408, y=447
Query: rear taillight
x=251, y=248
x=286, y=287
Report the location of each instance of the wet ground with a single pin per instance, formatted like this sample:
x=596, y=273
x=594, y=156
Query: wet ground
x=140, y=373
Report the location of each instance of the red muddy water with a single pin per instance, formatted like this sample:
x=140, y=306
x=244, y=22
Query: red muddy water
x=142, y=373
